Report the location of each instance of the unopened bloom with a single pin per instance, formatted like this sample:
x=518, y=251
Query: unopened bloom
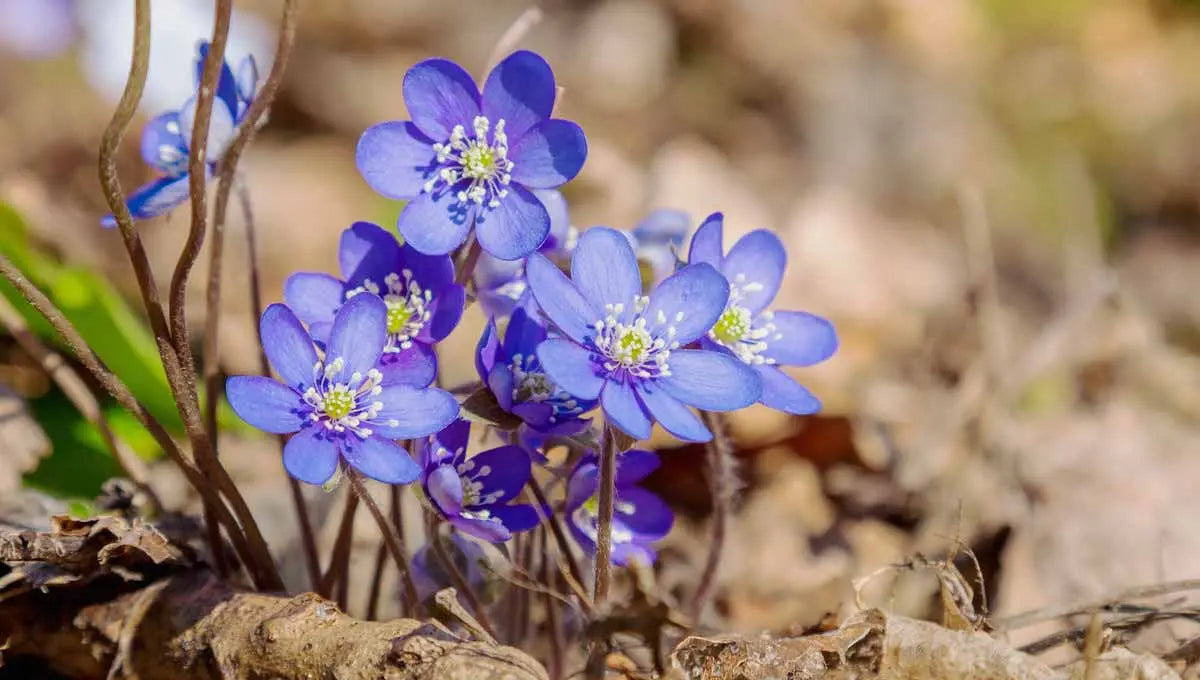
x=640, y=518
x=469, y=159
x=512, y=371
x=625, y=348
x=761, y=338
x=338, y=405
x=473, y=493
x=423, y=302
x=166, y=139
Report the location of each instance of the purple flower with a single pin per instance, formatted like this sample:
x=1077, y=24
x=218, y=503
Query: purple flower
x=430, y=575
x=760, y=338
x=657, y=238
x=470, y=160
x=166, y=139
x=500, y=284
x=639, y=517
x=423, y=302
x=338, y=406
x=473, y=493
x=624, y=348
x=513, y=373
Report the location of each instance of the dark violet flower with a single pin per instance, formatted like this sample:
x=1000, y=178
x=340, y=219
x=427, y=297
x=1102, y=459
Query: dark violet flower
x=338, y=406
x=657, y=239
x=513, y=373
x=500, y=284
x=473, y=493
x=423, y=302
x=624, y=348
x=166, y=139
x=761, y=338
x=640, y=518
x=467, y=159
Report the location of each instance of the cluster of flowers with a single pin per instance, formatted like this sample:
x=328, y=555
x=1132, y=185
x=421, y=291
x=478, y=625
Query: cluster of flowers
x=632, y=329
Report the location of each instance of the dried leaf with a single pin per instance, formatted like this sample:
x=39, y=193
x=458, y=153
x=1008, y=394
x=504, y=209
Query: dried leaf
x=481, y=407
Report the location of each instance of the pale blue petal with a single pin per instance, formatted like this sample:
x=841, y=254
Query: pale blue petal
x=755, y=267
x=367, y=251
x=571, y=367
x=409, y=412
x=514, y=228
x=605, y=269
x=415, y=366
x=163, y=145
x=672, y=415
x=288, y=347
x=711, y=381
x=445, y=490
x=549, y=155
x=622, y=409
x=435, y=224
x=358, y=336
x=800, y=339
x=266, y=404
x=396, y=159
x=690, y=301
x=311, y=456
x=780, y=391
x=313, y=297
x=439, y=95
x=706, y=242
x=380, y=459
x=559, y=299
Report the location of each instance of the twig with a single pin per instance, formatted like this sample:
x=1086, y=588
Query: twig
x=531, y=17
x=560, y=539
x=722, y=484
x=553, y=622
x=339, y=556
x=397, y=516
x=77, y=391
x=598, y=649
x=1059, y=611
x=390, y=537
x=461, y=585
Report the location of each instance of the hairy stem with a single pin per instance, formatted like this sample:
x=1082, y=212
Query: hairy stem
x=722, y=484
x=553, y=621
x=566, y=557
x=456, y=575
x=339, y=556
x=397, y=518
x=391, y=538
x=598, y=650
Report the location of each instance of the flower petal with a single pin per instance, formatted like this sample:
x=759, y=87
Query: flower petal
x=227, y=89
x=154, y=199
x=560, y=221
x=163, y=145
x=409, y=412
x=711, y=381
x=523, y=334
x=439, y=94
x=445, y=489
x=502, y=472
x=706, y=242
x=436, y=223
x=434, y=272
x=605, y=269
x=584, y=482
x=500, y=382
x=571, y=367
x=757, y=260
x=672, y=415
x=491, y=529
x=415, y=366
x=516, y=517
x=664, y=226
x=311, y=456
x=625, y=554
x=801, y=339
x=380, y=459
x=622, y=409
x=313, y=297
x=521, y=91
x=487, y=350
x=220, y=128
x=396, y=159
x=559, y=299
x=514, y=228
x=782, y=392
x=549, y=155
x=266, y=404
x=445, y=311
x=247, y=79
x=358, y=336
x=690, y=300
x=367, y=251
x=643, y=513
x=453, y=438
x=289, y=349
x=635, y=465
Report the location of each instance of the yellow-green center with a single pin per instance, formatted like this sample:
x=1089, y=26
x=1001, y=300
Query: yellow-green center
x=478, y=161
x=632, y=345
x=398, y=315
x=733, y=325
x=339, y=402
x=592, y=505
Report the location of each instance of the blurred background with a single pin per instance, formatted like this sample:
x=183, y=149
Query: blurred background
x=996, y=202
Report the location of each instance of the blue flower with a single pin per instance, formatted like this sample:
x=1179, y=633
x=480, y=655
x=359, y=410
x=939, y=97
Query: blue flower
x=166, y=139
x=423, y=302
x=337, y=405
x=657, y=238
x=761, y=338
x=473, y=493
x=513, y=373
x=500, y=284
x=467, y=159
x=640, y=518
x=429, y=575
x=624, y=348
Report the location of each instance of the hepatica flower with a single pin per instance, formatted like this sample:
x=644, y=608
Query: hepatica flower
x=423, y=302
x=500, y=284
x=166, y=139
x=656, y=240
x=760, y=338
x=626, y=349
x=512, y=371
x=640, y=518
x=473, y=493
x=469, y=159
x=337, y=405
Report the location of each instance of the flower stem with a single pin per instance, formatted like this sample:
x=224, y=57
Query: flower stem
x=340, y=555
x=407, y=607
x=392, y=539
x=456, y=576
x=598, y=651
x=465, y=266
x=722, y=483
x=560, y=540
x=553, y=622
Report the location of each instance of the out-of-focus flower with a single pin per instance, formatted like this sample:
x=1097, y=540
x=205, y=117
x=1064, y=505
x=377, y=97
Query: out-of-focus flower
x=36, y=29
x=470, y=160
x=166, y=139
x=473, y=493
x=337, y=405
x=657, y=239
x=512, y=371
x=640, y=518
x=761, y=338
x=500, y=284
x=423, y=302
x=624, y=347
x=430, y=575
